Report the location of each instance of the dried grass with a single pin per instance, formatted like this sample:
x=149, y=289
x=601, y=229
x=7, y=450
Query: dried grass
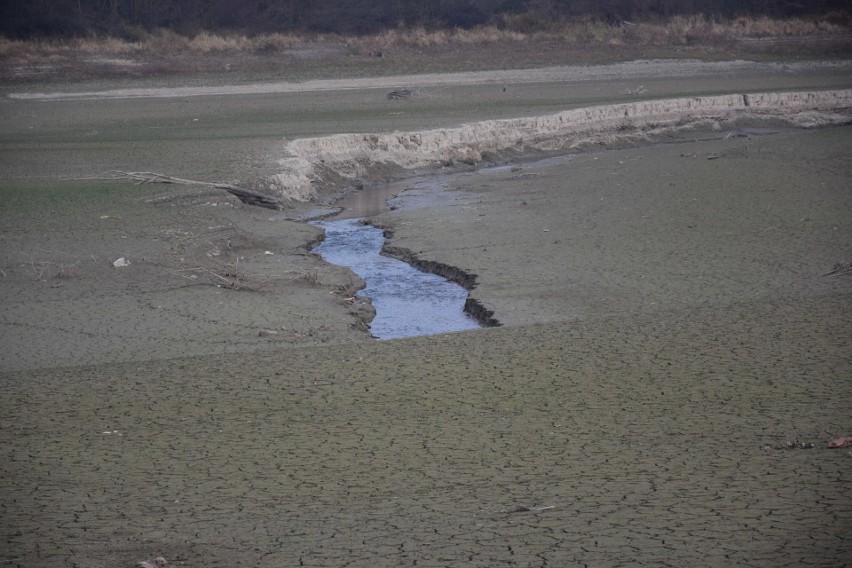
x=678, y=30
x=207, y=42
x=421, y=37
x=701, y=29
x=159, y=42
x=108, y=45
x=310, y=277
x=51, y=50
x=166, y=41
x=592, y=32
x=769, y=27
x=46, y=270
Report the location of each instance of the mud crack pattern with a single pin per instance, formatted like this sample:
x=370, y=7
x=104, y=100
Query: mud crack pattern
x=624, y=441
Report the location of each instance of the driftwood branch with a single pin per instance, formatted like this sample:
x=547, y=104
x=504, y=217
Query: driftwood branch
x=245, y=195
x=400, y=94
x=840, y=269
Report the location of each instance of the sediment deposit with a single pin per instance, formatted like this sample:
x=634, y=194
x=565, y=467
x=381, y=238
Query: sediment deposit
x=312, y=160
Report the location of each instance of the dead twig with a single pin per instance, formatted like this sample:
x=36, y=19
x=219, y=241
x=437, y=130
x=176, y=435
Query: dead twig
x=524, y=509
x=172, y=197
x=640, y=90
x=312, y=277
x=45, y=270
x=400, y=94
x=245, y=195
x=232, y=283
x=840, y=269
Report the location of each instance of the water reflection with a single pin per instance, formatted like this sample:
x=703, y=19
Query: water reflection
x=408, y=302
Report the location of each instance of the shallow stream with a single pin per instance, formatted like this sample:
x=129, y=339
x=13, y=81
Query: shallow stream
x=408, y=302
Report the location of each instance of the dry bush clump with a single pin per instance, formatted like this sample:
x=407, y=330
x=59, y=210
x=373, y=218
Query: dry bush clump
x=209, y=272
x=678, y=30
x=42, y=266
x=47, y=270
x=22, y=52
x=278, y=41
x=701, y=29
x=103, y=45
x=771, y=27
x=18, y=52
x=421, y=37
x=592, y=32
x=311, y=277
x=203, y=43
x=159, y=42
x=486, y=34
x=165, y=42
x=207, y=42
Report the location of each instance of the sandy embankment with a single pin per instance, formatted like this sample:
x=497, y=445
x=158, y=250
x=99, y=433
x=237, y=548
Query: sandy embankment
x=350, y=156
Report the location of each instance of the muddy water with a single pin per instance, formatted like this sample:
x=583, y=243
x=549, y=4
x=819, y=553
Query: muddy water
x=408, y=302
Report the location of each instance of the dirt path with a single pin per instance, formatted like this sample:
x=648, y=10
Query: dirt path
x=643, y=70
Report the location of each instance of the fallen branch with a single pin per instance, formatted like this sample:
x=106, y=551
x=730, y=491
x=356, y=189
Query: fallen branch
x=230, y=280
x=245, y=195
x=174, y=197
x=840, y=269
x=525, y=509
x=400, y=94
x=640, y=90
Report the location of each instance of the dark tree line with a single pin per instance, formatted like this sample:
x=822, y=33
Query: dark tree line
x=33, y=18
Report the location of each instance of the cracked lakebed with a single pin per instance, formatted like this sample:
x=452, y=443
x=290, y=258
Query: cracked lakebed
x=666, y=333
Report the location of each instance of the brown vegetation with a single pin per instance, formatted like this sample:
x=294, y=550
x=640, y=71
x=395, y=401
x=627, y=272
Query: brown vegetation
x=676, y=31
x=130, y=18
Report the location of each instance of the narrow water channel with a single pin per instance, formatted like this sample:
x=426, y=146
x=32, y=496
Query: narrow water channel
x=408, y=302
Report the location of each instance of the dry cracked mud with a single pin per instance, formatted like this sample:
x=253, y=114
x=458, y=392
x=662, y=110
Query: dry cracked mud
x=671, y=325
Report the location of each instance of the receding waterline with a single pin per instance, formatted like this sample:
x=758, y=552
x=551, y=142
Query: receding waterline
x=408, y=302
